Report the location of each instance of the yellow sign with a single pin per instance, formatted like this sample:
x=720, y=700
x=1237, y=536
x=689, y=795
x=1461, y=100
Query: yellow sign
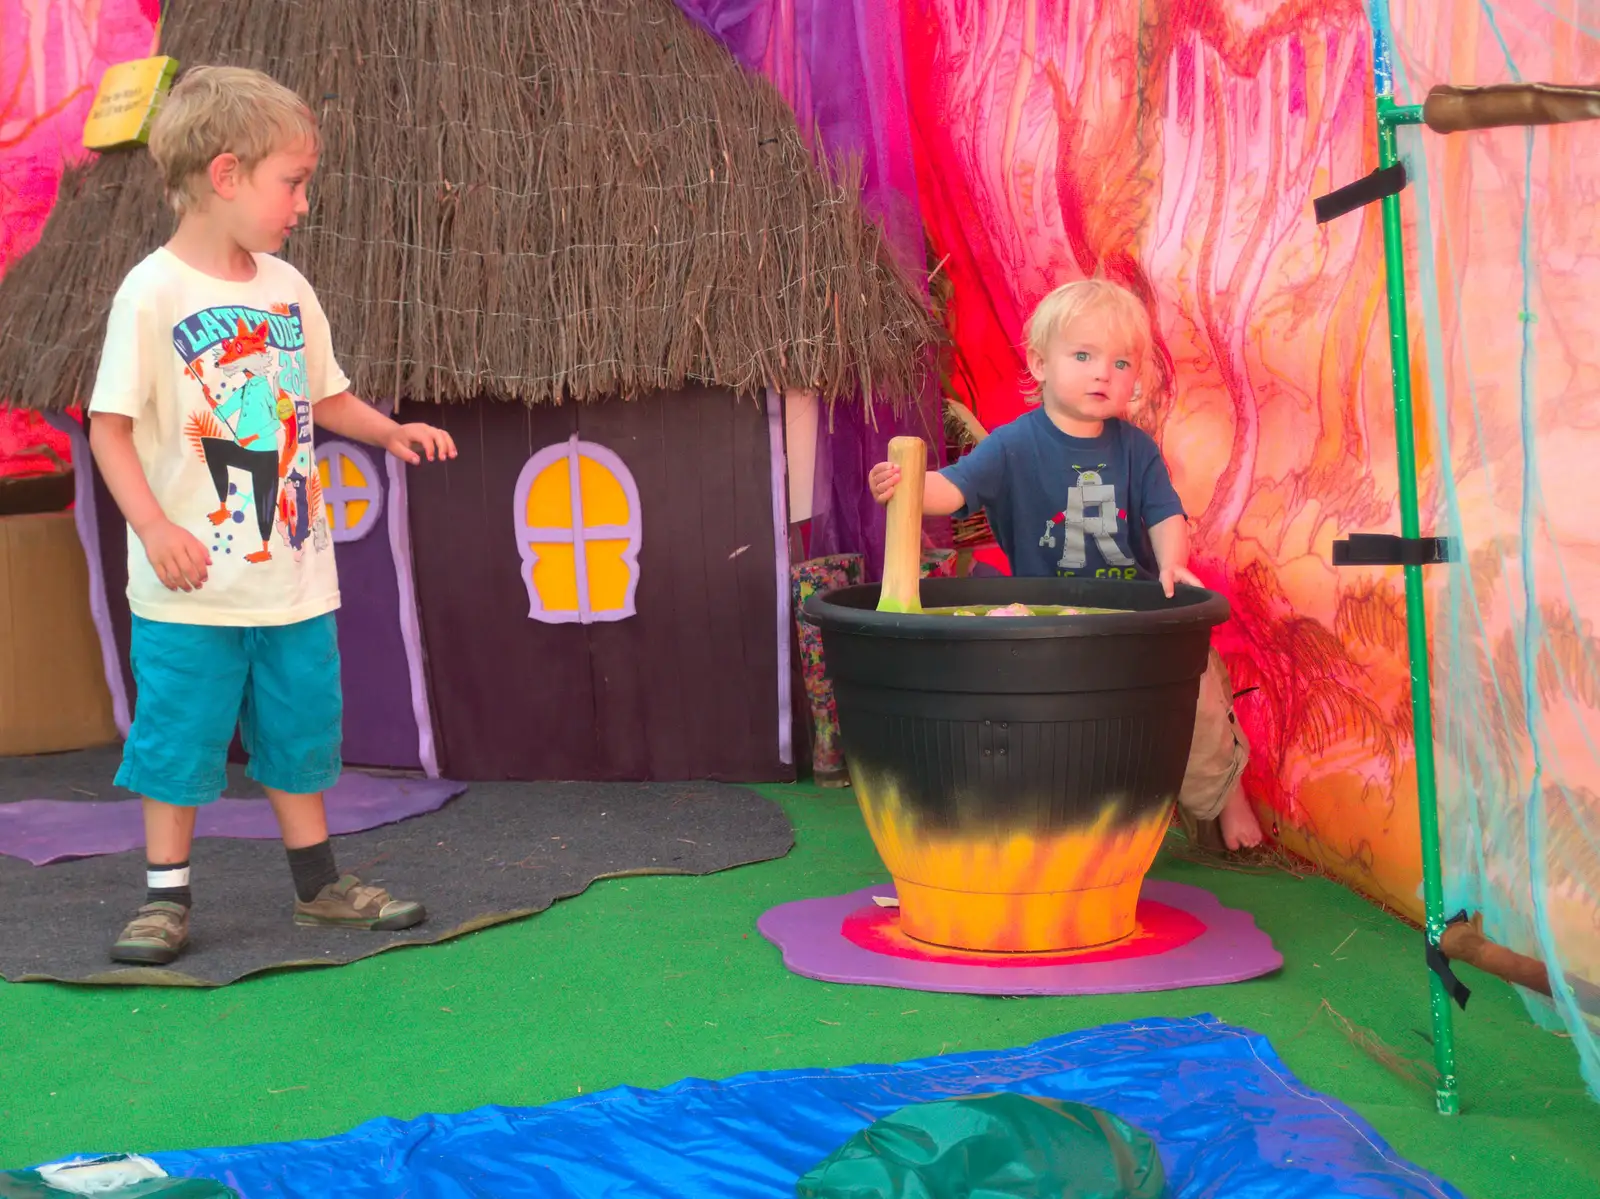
x=130, y=94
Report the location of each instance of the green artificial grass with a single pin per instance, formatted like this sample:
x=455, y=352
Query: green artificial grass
x=648, y=980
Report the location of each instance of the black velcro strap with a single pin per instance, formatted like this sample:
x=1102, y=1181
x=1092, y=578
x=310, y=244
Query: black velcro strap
x=1389, y=181
x=1386, y=549
x=1440, y=965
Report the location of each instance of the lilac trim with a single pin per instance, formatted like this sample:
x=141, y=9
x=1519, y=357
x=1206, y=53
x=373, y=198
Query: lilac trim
x=336, y=496
x=580, y=548
x=87, y=520
x=780, y=559
x=542, y=533
x=410, y=625
x=530, y=535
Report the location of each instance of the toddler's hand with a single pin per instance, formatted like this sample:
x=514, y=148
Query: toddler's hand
x=408, y=439
x=180, y=561
x=885, y=477
x=1177, y=574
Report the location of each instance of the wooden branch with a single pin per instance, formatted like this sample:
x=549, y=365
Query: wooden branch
x=1450, y=109
x=1466, y=943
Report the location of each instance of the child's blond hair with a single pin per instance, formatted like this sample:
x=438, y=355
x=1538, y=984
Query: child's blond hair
x=224, y=110
x=1067, y=303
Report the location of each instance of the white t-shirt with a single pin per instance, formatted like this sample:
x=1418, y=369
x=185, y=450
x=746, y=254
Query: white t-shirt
x=219, y=378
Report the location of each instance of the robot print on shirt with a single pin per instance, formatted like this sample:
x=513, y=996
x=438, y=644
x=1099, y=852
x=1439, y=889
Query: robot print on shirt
x=1091, y=511
x=255, y=433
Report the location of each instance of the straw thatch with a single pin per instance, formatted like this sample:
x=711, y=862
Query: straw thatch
x=528, y=199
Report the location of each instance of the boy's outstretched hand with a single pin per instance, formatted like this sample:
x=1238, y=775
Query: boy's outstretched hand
x=410, y=442
x=883, y=479
x=1171, y=575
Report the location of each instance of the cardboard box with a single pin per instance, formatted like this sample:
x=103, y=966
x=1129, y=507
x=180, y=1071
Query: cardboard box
x=53, y=693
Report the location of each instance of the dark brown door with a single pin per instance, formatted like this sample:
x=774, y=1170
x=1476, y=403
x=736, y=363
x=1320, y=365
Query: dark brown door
x=684, y=687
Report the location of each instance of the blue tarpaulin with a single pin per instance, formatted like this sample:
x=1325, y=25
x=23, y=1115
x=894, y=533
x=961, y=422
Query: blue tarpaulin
x=1228, y=1117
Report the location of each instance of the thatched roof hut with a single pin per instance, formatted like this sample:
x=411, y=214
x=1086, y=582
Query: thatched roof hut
x=543, y=201
x=561, y=199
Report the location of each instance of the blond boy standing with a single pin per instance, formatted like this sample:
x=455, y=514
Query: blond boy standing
x=216, y=355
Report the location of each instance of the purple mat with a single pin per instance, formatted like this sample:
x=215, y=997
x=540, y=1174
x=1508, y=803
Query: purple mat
x=42, y=831
x=1230, y=949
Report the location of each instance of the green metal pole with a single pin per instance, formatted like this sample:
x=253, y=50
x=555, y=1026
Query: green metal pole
x=1444, y=1050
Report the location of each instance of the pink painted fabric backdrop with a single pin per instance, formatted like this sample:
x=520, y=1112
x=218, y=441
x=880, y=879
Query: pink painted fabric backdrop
x=52, y=54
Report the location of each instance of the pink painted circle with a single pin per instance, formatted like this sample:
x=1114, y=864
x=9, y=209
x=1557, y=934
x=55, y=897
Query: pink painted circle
x=1160, y=928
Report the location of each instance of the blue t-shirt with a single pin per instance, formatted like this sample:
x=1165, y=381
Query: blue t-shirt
x=1061, y=505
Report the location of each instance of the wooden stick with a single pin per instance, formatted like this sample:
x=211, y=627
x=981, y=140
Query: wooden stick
x=1450, y=109
x=1466, y=943
x=902, y=543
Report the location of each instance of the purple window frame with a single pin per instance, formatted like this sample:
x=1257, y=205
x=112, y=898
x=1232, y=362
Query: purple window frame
x=530, y=536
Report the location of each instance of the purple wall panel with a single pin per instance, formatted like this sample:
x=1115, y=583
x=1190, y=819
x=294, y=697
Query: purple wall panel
x=380, y=728
x=380, y=724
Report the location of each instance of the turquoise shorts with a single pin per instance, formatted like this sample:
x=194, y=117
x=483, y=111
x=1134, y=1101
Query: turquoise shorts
x=279, y=685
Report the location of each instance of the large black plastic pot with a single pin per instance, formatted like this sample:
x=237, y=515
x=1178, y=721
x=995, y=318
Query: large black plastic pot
x=1018, y=773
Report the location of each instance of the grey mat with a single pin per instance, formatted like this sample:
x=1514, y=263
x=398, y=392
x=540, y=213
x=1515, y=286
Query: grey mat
x=500, y=851
x=87, y=774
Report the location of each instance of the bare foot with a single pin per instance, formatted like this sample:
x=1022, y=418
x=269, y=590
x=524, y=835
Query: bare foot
x=265, y=555
x=1240, y=828
x=220, y=515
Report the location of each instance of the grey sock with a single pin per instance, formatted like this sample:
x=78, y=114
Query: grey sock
x=313, y=869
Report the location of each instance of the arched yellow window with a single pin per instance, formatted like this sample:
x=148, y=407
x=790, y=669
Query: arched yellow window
x=352, y=495
x=576, y=509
